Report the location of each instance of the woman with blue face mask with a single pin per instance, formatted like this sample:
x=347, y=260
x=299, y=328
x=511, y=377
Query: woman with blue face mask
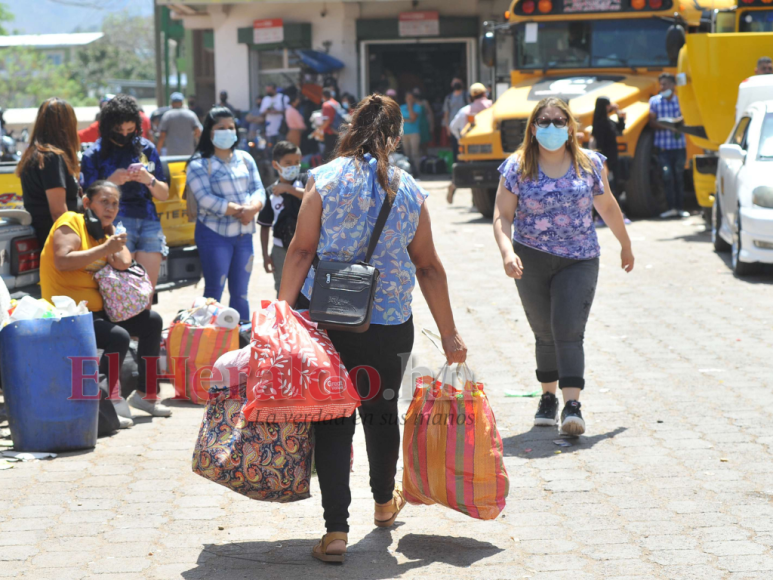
x=229, y=194
x=543, y=224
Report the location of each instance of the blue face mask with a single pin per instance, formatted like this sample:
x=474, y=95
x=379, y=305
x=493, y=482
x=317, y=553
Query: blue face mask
x=552, y=138
x=667, y=93
x=224, y=138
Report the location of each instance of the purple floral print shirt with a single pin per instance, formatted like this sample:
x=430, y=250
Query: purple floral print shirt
x=556, y=215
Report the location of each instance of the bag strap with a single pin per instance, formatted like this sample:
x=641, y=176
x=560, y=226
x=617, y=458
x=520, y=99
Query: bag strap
x=383, y=214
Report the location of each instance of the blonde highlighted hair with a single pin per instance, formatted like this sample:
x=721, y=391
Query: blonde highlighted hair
x=528, y=152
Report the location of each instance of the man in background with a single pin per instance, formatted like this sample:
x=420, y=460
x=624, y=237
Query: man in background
x=764, y=66
x=671, y=145
x=273, y=108
x=193, y=106
x=330, y=108
x=179, y=129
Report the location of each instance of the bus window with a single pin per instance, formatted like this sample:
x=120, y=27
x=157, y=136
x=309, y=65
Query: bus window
x=758, y=21
x=587, y=44
x=725, y=22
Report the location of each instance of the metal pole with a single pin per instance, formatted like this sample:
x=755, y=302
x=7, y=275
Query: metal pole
x=157, y=42
x=166, y=69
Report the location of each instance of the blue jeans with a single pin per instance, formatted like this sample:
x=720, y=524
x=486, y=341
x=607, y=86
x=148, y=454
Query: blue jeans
x=226, y=258
x=672, y=161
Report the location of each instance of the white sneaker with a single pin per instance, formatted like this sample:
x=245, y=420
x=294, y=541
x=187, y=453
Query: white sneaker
x=122, y=408
x=669, y=214
x=125, y=423
x=683, y=214
x=152, y=407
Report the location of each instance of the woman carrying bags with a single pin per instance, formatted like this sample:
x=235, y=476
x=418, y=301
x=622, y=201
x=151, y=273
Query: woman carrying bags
x=123, y=156
x=49, y=169
x=342, y=201
x=229, y=194
x=543, y=224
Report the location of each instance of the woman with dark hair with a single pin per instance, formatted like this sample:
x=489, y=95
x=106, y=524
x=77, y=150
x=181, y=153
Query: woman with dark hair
x=79, y=247
x=229, y=194
x=543, y=225
x=605, y=132
x=49, y=168
x=123, y=156
x=342, y=201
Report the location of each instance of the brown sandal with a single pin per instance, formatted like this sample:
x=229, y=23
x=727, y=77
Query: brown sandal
x=394, y=507
x=320, y=551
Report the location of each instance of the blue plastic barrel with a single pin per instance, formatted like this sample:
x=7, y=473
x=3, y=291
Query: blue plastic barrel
x=37, y=383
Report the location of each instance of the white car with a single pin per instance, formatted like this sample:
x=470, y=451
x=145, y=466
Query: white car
x=742, y=216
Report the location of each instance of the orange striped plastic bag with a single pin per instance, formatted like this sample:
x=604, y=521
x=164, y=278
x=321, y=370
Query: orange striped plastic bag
x=199, y=347
x=452, y=451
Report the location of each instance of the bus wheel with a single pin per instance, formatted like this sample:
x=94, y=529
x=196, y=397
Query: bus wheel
x=645, y=193
x=483, y=199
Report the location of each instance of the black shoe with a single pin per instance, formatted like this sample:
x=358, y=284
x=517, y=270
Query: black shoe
x=572, y=422
x=547, y=412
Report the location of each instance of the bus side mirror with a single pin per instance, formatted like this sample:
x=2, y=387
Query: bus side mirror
x=488, y=49
x=675, y=39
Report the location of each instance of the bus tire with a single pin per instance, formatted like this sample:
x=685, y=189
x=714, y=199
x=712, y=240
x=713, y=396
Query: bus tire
x=645, y=194
x=483, y=199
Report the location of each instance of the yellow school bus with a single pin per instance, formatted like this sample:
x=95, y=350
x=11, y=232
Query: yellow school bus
x=579, y=50
x=712, y=65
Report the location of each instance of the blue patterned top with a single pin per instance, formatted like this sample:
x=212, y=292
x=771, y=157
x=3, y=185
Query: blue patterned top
x=556, y=215
x=349, y=212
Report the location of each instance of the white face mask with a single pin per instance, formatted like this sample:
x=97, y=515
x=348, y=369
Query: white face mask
x=224, y=138
x=667, y=93
x=289, y=173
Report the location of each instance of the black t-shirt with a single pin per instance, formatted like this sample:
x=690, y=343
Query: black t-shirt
x=35, y=182
x=277, y=211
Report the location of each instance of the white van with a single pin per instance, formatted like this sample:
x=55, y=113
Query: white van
x=753, y=89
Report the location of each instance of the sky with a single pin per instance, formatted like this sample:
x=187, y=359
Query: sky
x=49, y=16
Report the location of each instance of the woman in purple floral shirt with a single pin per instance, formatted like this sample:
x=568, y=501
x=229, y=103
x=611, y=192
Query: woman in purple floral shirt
x=543, y=224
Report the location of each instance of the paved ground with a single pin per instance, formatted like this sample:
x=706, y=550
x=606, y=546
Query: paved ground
x=673, y=479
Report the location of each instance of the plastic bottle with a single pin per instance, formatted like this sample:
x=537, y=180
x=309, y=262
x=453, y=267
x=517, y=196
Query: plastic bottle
x=119, y=229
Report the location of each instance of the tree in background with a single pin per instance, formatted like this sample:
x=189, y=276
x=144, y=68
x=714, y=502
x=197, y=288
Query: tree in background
x=125, y=52
x=28, y=77
x=5, y=16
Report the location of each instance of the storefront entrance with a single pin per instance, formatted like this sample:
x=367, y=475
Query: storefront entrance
x=405, y=65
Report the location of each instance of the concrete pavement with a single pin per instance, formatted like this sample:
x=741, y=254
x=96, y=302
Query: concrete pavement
x=672, y=479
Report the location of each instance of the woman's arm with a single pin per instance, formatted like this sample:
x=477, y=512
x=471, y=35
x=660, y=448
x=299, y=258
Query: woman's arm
x=434, y=286
x=57, y=201
x=257, y=197
x=504, y=213
x=68, y=257
x=303, y=248
x=158, y=189
x=609, y=210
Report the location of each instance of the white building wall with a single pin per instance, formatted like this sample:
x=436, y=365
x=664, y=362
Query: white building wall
x=334, y=22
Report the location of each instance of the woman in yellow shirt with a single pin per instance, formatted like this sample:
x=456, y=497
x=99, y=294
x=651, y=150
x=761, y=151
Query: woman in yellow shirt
x=79, y=245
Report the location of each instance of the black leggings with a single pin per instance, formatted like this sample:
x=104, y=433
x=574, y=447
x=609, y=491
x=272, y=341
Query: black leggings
x=114, y=337
x=385, y=348
x=557, y=295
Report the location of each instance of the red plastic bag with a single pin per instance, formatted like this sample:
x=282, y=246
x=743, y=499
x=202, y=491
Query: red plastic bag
x=296, y=374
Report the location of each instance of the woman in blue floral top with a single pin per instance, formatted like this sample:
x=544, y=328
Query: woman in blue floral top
x=342, y=201
x=543, y=224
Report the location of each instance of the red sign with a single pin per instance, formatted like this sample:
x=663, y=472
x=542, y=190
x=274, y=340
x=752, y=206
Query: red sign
x=268, y=31
x=426, y=23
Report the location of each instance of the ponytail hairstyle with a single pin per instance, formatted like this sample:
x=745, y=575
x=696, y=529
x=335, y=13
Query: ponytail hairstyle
x=375, y=128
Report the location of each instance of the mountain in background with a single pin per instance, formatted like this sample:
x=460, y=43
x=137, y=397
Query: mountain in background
x=49, y=17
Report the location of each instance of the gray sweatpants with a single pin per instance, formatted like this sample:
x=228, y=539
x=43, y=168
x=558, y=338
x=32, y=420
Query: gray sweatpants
x=557, y=294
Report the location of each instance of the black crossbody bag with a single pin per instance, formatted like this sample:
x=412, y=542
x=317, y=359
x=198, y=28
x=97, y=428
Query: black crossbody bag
x=343, y=292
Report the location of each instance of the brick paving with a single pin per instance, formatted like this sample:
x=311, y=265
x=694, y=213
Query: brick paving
x=672, y=480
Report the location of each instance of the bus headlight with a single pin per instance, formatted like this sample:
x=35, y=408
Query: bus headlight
x=762, y=196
